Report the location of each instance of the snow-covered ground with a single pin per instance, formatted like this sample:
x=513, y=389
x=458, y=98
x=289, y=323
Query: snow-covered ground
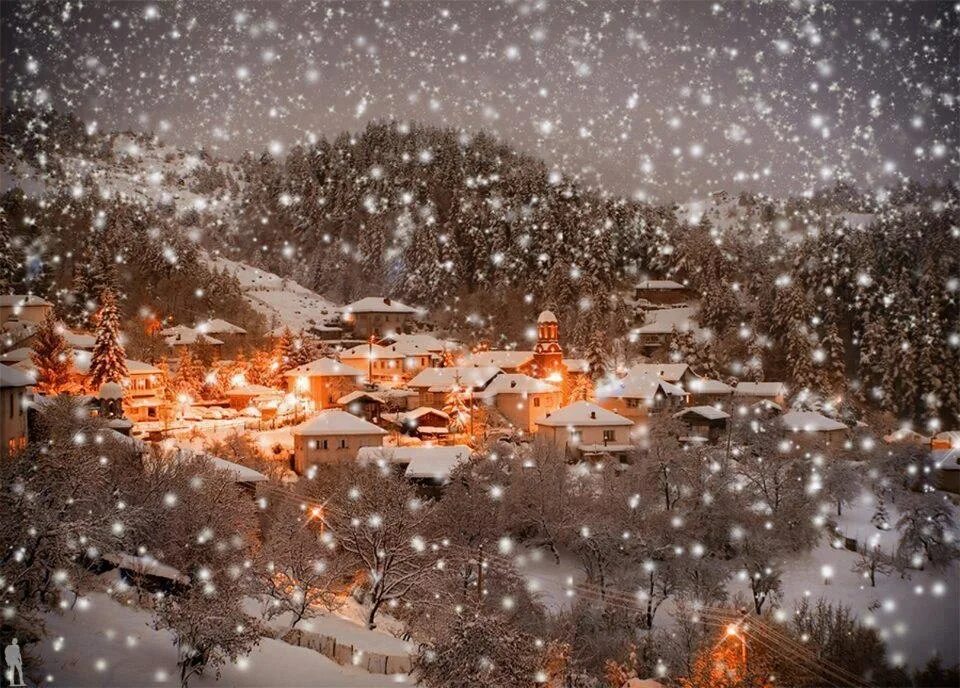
x=283, y=302
x=103, y=643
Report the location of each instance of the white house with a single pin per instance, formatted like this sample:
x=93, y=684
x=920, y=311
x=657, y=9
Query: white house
x=585, y=428
x=636, y=395
x=333, y=435
x=814, y=425
x=376, y=315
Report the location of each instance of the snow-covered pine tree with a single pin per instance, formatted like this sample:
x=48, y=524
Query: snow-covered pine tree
x=8, y=265
x=755, y=359
x=597, y=355
x=283, y=350
x=835, y=373
x=188, y=379
x=455, y=407
x=108, y=359
x=52, y=357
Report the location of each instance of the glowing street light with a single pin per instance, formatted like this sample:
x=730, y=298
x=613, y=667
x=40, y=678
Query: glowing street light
x=734, y=631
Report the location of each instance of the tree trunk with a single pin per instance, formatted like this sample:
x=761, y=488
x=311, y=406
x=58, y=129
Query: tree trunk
x=373, y=614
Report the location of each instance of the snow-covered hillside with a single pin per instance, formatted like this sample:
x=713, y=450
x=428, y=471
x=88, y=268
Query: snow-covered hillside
x=138, y=170
x=283, y=302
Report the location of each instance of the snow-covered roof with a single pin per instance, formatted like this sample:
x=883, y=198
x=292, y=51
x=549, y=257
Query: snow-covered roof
x=659, y=284
x=405, y=455
x=252, y=391
x=218, y=326
x=377, y=304
x=671, y=372
x=192, y=337
x=583, y=413
x=518, y=383
x=639, y=387
x=175, y=330
x=498, y=358
x=241, y=474
x=11, y=377
x=413, y=344
x=146, y=566
x=704, y=385
x=79, y=340
x=375, y=351
x=23, y=300
x=421, y=411
x=16, y=355
x=436, y=463
x=708, y=412
x=666, y=320
x=760, y=389
x=576, y=365
x=337, y=422
x=467, y=376
x=323, y=367
x=810, y=421
x=547, y=317
x=360, y=394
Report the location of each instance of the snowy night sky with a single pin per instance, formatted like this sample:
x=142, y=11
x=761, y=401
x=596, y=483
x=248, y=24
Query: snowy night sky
x=661, y=101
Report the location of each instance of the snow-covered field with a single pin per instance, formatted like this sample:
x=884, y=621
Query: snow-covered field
x=916, y=616
x=283, y=302
x=103, y=643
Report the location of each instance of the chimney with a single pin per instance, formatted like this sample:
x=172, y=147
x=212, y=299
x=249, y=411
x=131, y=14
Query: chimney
x=593, y=415
x=386, y=301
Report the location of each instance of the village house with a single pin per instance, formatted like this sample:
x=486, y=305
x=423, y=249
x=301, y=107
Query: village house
x=665, y=292
x=677, y=373
x=583, y=428
x=363, y=404
x=376, y=316
x=814, y=426
x=181, y=337
x=380, y=363
x=636, y=396
x=752, y=392
x=141, y=387
x=322, y=381
x=422, y=344
x=704, y=422
x=428, y=467
x=232, y=336
x=659, y=327
x=433, y=384
x=705, y=392
x=13, y=415
x=245, y=396
x=27, y=308
x=333, y=435
x=423, y=422
x=522, y=399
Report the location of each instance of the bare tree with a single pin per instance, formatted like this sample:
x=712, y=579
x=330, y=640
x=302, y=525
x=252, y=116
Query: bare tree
x=298, y=571
x=382, y=525
x=539, y=496
x=872, y=561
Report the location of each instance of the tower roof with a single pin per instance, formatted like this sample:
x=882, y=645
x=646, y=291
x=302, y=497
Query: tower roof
x=547, y=317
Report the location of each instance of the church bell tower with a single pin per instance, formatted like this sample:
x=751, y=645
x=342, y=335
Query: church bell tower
x=547, y=354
